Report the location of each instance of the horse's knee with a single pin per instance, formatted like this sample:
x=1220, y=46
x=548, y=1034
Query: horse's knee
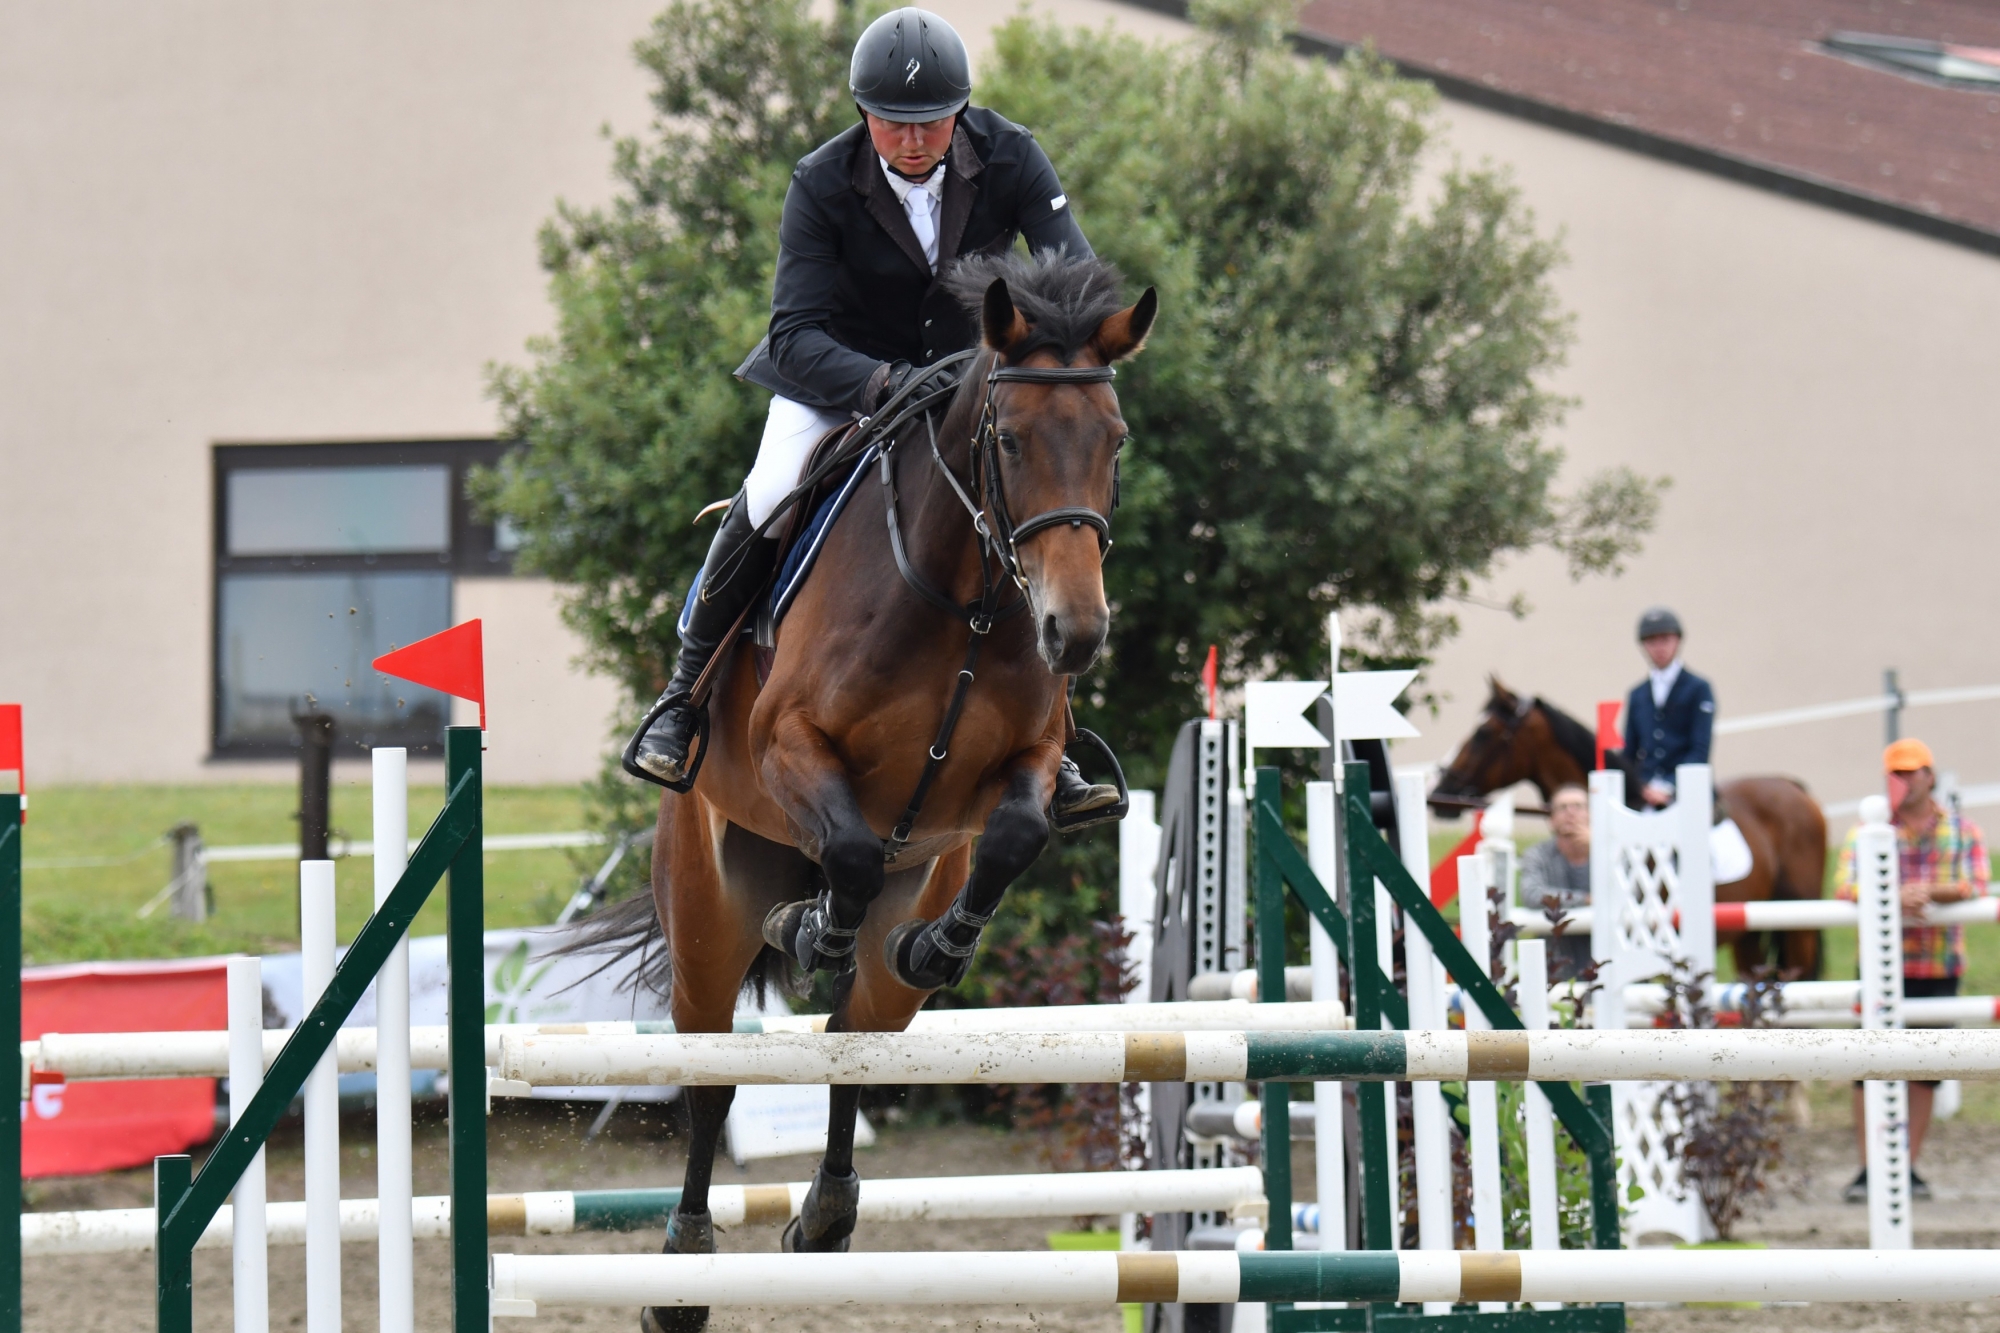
x=1013, y=838
x=851, y=857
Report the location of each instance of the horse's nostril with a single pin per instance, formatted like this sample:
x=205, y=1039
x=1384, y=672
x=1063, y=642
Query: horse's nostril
x=1052, y=636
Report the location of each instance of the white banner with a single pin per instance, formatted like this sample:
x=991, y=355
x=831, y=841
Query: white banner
x=1364, y=708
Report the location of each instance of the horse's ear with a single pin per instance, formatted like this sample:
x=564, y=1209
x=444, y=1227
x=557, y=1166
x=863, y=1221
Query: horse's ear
x=999, y=320
x=1502, y=697
x=1124, y=333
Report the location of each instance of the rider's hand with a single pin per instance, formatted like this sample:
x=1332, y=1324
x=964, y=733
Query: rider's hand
x=883, y=384
x=1657, y=793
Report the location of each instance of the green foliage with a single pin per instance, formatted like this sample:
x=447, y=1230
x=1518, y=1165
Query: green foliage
x=1342, y=404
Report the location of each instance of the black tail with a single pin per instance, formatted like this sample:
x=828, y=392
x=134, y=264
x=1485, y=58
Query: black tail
x=632, y=926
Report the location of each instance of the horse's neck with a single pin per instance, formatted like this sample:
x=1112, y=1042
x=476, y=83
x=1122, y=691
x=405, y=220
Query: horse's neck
x=938, y=531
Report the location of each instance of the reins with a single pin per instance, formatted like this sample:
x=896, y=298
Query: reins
x=998, y=541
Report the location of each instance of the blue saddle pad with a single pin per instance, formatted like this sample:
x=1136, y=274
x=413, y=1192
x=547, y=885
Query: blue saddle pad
x=799, y=559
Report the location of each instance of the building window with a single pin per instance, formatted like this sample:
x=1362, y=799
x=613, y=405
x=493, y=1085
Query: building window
x=326, y=557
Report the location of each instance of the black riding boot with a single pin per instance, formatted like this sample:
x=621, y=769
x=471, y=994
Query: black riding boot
x=659, y=752
x=1077, y=796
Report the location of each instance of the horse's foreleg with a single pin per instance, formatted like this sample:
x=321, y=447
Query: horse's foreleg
x=929, y=955
x=804, y=775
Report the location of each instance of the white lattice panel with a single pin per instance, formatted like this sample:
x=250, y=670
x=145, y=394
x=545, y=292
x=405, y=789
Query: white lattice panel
x=1653, y=900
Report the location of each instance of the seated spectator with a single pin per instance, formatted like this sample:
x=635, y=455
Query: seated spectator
x=1942, y=859
x=1556, y=873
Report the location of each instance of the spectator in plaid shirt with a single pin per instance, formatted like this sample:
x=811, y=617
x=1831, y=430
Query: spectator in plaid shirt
x=1942, y=860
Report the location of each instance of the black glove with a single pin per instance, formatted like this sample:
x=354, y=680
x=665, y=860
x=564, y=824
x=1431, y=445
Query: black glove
x=889, y=377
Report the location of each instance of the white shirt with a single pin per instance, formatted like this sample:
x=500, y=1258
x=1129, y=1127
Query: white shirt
x=922, y=201
x=1663, y=681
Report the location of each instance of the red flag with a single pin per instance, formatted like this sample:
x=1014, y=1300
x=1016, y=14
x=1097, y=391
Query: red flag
x=1208, y=681
x=1607, y=729
x=454, y=661
x=11, y=759
x=1444, y=875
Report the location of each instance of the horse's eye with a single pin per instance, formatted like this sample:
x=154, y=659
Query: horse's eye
x=1009, y=444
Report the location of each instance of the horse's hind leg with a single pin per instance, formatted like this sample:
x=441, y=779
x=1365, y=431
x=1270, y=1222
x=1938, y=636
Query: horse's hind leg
x=867, y=999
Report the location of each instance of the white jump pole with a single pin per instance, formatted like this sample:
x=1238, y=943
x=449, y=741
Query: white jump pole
x=1482, y=1105
x=1430, y=1126
x=1329, y=1124
x=1544, y=1210
x=249, y=1260
x=393, y=1166
x=1885, y=1105
x=322, y=1097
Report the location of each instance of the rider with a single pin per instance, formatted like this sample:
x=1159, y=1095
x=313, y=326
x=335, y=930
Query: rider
x=871, y=220
x=1670, y=716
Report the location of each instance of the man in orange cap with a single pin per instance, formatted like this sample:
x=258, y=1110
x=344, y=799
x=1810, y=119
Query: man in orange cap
x=1942, y=860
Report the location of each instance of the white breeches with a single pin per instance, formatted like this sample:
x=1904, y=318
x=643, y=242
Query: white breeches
x=790, y=432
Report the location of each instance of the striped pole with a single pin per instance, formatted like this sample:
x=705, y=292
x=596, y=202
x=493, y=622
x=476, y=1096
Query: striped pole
x=1559, y=1055
x=525, y=1284
x=1814, y=914
x=87, y=1056
x=1233, y=1190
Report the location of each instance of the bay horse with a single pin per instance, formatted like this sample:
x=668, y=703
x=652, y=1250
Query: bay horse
x=981, y=540
x=1523, y=738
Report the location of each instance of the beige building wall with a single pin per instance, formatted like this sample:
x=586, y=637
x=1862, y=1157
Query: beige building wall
x=1820, y=389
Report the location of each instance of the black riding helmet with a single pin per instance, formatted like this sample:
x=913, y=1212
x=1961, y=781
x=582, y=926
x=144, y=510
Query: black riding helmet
x=910, y=66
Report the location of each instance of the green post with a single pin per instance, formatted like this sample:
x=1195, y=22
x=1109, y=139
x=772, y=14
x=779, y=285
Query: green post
x=1373, y=1097
x=465, y=917
x=10, y=1025
x=172, y=1265
x=1277, y=1097
x=1604, y=1224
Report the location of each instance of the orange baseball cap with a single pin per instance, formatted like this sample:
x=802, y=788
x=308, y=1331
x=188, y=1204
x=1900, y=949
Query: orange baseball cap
x=1906, y=756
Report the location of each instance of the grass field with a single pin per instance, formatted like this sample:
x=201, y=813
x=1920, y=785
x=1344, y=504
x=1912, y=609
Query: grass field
x=94, y=855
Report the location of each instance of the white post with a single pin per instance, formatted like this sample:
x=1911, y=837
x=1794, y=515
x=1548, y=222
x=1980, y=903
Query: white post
x=322, y=1097
x=1482, y=1103
x=1429, y=1124
x=1544, y=1212
x=1329, y=1139
x=250, y=1262
x=393, y=1165
x=1138, y=858
x=1885, y=1105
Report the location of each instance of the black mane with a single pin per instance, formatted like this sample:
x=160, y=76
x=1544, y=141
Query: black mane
x=1063, y=299
x=1578, y=740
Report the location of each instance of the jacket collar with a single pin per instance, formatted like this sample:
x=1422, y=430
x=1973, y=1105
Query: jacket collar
x=961, y=188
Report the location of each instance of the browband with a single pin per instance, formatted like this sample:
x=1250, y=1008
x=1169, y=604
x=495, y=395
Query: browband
x=1055, y=374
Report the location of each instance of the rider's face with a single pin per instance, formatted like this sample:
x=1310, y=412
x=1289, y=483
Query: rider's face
x=1661, y=649
x=915, y=149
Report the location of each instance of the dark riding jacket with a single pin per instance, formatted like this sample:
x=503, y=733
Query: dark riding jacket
x=1659, y=740
x=853, y=288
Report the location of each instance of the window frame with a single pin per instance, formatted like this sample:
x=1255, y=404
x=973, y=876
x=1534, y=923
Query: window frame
x=473, y=550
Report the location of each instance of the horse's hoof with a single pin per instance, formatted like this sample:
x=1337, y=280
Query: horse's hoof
x=825, y=1224
x=914, y=958
x=687, y=1233
x=802, y=932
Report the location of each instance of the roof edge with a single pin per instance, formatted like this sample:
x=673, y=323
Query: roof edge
x=1791, y=184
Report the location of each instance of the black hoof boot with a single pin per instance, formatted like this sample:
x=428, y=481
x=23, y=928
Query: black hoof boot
x=825, y=1223
x=930, y=955
x=687, y=1233
x=805, y=933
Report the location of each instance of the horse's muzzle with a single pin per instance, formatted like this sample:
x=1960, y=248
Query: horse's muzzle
x=1070, y=642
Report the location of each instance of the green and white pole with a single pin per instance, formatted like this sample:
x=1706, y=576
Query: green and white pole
x=526, y=1285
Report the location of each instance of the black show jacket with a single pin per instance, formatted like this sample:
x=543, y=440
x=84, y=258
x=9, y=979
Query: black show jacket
x=853, y=288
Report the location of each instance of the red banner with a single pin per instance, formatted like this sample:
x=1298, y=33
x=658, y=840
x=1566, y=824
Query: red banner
x=75, y=1128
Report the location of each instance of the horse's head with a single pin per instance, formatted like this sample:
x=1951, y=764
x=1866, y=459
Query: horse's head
x=1494, y=756
x=1046, y=443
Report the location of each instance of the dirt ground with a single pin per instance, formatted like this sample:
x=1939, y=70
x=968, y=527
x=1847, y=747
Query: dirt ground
x=539, y=1146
